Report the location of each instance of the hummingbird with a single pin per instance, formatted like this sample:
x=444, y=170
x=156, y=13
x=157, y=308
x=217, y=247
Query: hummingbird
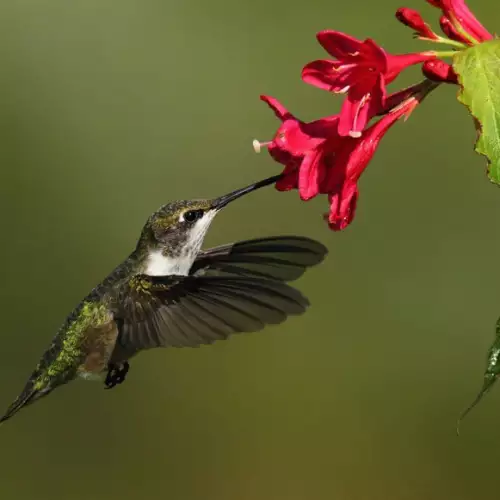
x=171, y=293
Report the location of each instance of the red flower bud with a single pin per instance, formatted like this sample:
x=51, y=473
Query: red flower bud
x=439, y=71
x=414, y=20
x=462, y=18
x=450, y=31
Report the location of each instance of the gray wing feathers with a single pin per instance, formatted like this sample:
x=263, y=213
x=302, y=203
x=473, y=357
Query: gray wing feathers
x=231, y=289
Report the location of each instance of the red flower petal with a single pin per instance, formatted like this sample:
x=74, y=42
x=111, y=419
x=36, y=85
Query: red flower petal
x=324, y=128
x=289, y=179
x=326, y=75
x=279, y=110
x=353, y=116
x=338, y=44
x=343, y=207
x=309, y=175
x=357, y=110
x=374, y=55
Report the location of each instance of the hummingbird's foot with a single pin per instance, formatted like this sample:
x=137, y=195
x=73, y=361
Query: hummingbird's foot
x=116, y=374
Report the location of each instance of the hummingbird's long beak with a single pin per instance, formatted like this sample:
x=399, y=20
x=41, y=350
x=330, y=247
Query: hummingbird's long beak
x=222, y=201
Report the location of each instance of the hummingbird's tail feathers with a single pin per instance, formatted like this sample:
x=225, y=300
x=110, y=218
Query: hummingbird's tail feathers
x=282, y=258
x=188, y=311
x=28, y=396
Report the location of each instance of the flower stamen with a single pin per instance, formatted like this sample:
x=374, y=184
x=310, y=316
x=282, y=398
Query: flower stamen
x=357, y=133
x=257, y=145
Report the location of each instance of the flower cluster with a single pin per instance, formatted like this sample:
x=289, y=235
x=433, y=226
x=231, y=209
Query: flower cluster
x=327, y=156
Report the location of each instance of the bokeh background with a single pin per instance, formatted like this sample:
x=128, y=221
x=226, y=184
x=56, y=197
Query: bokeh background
x=109, y=109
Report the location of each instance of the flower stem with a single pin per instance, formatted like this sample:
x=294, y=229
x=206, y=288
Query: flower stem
x=445, y=53
x=446, y=41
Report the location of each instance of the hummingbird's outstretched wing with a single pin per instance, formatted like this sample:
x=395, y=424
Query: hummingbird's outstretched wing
x=231, y=288
x=188, y=311
x=283, y=258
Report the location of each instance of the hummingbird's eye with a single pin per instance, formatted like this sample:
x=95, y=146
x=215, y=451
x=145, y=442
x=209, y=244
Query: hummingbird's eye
x=192, y=215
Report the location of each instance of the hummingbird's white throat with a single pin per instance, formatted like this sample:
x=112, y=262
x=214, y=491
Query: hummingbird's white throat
x=158, y=264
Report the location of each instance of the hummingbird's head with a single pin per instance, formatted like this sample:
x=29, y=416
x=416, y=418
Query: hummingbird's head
x=174, y=234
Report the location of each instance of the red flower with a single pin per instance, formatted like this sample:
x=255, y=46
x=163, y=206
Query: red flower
x=295, y=145
x=361, y=71
x=463, y=19
x=318, y=159
x=414, y=20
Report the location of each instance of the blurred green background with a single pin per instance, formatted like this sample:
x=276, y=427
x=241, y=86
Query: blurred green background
x=109, y=109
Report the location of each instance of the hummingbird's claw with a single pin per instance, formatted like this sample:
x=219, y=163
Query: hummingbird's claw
x=116, y=374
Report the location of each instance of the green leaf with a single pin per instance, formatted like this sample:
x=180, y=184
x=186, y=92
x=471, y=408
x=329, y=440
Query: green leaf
x=490, y=374
x=478, y=70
